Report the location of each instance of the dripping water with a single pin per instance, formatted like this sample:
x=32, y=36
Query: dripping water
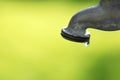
x=86, y=44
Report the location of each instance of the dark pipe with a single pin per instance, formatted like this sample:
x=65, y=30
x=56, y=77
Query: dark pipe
x=104, y=16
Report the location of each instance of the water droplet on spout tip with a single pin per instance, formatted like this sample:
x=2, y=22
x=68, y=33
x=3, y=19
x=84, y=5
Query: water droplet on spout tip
x=86, y=44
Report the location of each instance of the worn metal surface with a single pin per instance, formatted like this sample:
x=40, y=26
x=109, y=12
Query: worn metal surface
x=104, y=16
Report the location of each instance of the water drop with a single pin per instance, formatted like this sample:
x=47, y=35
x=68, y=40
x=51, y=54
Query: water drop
x=86, y=44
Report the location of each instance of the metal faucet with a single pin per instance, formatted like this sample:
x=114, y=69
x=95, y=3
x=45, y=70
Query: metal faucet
x=103, y=16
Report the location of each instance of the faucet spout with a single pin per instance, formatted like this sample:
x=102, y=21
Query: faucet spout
x=97, y=17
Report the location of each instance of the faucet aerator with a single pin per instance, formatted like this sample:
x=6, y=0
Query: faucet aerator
x=74, y=38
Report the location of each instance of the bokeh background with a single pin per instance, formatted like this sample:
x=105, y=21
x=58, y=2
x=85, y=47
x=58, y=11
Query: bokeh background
x=31, y=47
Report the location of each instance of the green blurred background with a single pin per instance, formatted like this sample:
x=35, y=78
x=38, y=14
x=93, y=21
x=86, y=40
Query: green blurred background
x=31, y=47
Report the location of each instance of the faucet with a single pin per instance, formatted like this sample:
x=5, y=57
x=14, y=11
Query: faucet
x=103, y=16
